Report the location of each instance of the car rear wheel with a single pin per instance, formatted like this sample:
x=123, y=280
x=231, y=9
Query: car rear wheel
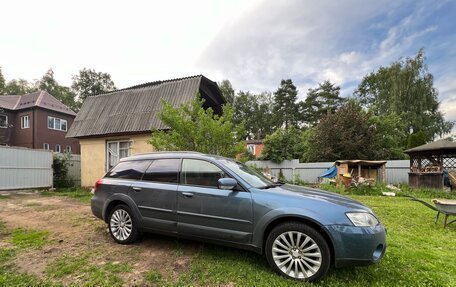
x=122, y=225
x=298, y=251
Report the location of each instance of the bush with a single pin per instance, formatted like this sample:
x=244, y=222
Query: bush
x=60, y=166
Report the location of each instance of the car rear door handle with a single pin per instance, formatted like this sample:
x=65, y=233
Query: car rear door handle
x=187, y=194
x=137, y=189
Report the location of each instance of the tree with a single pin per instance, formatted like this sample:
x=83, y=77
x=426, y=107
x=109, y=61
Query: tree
x=255, y=112
x=62, y=93
x=89, y=83
x=2, y=82
x=388, y=141
x=192, y=128
x=19, y=87
x=285, y=107
x=320, y=101
x=283, y=144
x=227, y=91
x=345, y=134
x=405, y=88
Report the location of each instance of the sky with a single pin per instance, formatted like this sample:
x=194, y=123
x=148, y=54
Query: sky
x=254, y=44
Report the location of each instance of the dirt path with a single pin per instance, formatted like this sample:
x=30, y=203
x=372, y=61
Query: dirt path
x=74, y=231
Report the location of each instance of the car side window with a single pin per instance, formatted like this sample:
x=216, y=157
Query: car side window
x=200, y=172
x=129, y=169
x=163, y=170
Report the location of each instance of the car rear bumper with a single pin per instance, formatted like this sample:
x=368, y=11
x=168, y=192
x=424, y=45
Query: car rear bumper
x=97, y=207
x=357, y=246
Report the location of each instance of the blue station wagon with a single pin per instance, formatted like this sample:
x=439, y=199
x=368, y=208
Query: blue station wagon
x=301, y=231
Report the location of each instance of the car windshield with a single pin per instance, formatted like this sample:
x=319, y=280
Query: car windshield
x=248, y=174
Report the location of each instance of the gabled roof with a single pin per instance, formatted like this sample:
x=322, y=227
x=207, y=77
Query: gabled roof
x=433, y=146
x=134, y=109
x=40, y=99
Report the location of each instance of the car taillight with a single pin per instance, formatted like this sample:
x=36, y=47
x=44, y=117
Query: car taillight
x=97, y=184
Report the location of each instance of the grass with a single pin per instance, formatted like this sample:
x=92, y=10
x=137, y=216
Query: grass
x=25, y=238
x=87, y=273
x=9, y=276
x=419, y=253
x=3, y=197
x=378, y=189
x=153, y=276
x=80, y=194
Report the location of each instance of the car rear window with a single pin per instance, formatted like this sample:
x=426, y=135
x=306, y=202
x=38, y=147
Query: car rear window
x=129, y=169
x=163, y=170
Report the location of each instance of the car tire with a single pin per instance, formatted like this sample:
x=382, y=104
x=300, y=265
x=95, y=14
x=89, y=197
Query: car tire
x=122, y=225
x=297, y=251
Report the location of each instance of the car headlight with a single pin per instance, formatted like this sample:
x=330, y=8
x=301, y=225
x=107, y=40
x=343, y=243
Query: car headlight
x=362, y=219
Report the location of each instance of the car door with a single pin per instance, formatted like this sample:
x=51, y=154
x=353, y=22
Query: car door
x=205, y=211
x=155, y=195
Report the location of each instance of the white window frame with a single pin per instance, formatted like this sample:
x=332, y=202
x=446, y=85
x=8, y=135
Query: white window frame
x=25, y=122
x=59, y=128
x=45, y=146
x=6, y=122
x=58, y=148
x=68, y=149
x=116, y=152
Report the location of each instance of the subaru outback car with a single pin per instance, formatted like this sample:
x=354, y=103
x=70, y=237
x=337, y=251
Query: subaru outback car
x=301, y=231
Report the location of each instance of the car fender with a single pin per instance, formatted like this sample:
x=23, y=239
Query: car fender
x=300, y=213
x=125, y=199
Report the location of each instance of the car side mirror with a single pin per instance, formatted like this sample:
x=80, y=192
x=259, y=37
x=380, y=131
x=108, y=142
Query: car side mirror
x=227, y=183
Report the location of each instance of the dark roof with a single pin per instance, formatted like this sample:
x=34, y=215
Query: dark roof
x=134, y=109
x=40, y=99
x=434, y=146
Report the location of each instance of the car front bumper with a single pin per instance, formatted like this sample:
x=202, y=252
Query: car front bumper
x=357, y=245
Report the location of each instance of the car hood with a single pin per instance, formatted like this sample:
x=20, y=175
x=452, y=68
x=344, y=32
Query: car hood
x=320, y=195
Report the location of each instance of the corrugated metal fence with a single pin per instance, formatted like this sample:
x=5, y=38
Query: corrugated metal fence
x=396, y=170
x=22, y=168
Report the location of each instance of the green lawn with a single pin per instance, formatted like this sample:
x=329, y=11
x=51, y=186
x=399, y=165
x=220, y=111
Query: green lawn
x=419, y=253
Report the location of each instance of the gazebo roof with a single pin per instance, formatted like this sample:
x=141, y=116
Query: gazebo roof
x=440, y=145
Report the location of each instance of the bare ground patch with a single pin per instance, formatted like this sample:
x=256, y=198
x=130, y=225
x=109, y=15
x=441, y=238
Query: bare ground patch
x=75, y=232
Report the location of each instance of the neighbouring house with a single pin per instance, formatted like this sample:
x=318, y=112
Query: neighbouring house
x=37, y=121
x=255, y=147
x=118, y=124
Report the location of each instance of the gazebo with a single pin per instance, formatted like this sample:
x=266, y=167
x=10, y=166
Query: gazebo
x=430, y=162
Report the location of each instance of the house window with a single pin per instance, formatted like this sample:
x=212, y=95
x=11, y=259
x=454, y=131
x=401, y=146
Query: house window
x=3, y=121
x=115, y=150
x=58, y=148
x=68, y=149
x=25, y=122
x=46, y=146
x=57, y=124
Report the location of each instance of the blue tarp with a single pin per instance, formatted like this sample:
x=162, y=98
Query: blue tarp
x=329, y=173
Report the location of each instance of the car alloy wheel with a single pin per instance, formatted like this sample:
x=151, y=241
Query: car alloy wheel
x=296, y=254
x=298, y=251
x=122, y=225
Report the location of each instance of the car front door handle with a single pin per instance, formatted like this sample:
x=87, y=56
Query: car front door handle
x=137, y=189
x=187, y=194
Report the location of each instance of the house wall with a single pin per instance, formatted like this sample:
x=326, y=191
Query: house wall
x=93, y=155
x=53, y=137
x=23, y=137
x=38, y=132
x=7, y=134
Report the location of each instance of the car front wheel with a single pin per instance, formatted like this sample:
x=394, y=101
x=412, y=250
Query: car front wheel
x=298, y=251
x=122, y=225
